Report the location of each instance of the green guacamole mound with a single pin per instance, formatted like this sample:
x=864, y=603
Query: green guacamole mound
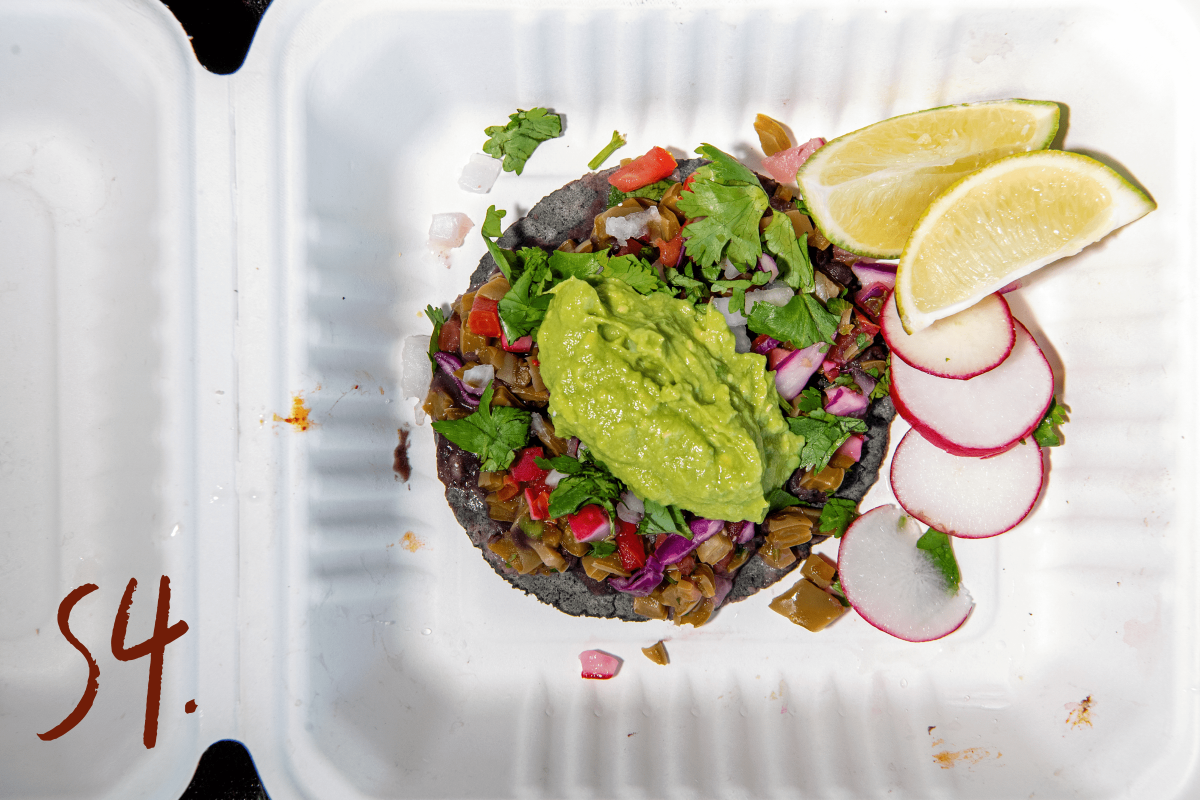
x=655, y=389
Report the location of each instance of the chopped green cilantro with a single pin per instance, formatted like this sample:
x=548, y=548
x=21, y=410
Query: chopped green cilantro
x=516, y=141
x=823, y=434
x=617, y=142
x=884, y=385
x=438, y=319
x=653, y=191
x=663, y=519
x=778, y=499
x=937, y=547
x=803, y=321
x=810, y=400
x=836, y=516
x=725, y=204
x=603, y=549
x=791, y=254
x=523, y=308
x=490, y=230
x=1045, y=434
x=587, y=482
x=491, y=433
x=862, y=341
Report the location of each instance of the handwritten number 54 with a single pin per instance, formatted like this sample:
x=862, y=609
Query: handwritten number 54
x=155, y=647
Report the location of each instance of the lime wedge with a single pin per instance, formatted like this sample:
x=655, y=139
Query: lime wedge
x=1004, y=221
x=866, y=190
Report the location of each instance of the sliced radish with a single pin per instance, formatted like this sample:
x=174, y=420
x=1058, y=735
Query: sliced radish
x=599, y=665
x=964, y=496
x=982, y=416
x=960, y=346
x=892, y=584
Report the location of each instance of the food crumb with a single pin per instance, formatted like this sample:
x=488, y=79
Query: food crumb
x=299, y=418
x=411, y=542
x=972, y=755
x=400, y=464
x=1080, y=713
x=657, y=653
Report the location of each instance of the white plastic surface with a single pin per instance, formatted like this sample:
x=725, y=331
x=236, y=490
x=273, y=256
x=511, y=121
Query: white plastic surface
x=356, y=661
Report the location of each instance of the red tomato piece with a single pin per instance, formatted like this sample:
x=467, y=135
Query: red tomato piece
x=509, y=490
x=644, y=170
x=484, y=318
x=669, y=252
x=448, y=339
x=525, y=470
x=538, y=501
x=630, y=546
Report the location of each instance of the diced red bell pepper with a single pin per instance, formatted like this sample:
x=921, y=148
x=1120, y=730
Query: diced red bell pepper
x=538, y=500
x=644, y=170
x=631, y=247
x=509, y=490
x=687, y=183
x=484, y=319
x=669, y=252
x=525, y=470
x=521, y=345
x=630, y=546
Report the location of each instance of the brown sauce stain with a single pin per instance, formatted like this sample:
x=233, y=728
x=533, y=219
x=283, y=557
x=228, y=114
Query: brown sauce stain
x=1080, y=713
x=400, y=464
x=411, y=542
x=300, y=414
x=971, y=755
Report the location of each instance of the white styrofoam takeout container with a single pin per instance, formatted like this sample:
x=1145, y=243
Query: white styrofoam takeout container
x=183, y=254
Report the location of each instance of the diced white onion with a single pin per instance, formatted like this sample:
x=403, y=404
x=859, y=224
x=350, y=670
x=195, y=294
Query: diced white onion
x=631, y=508
x=449, y=230
x=554, y=477
x=480, y=173
x=479, y=377
x=415, y=372
x=732, y=318
x=731, y=271
x=772, y=293
x=631, y=226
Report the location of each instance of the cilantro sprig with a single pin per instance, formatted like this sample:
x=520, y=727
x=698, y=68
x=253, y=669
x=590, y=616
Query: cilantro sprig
x=725, y=203
x=515, y=142
x=791, y=253
x=1045, y=433
x=836, y=516
x=663, y=519
x=491, y=433
x=588, y=482
x=937, y=547
x=617, y=142
x=823, y=434
x=804, y=321
x=438, y=318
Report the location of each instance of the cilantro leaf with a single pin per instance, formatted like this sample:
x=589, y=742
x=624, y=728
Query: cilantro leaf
x=1045, y=435
x=836, y=305
x=724, y=222
x=883, y=386
x=491, y=433
x=823, y=434
x=438, y=319
x=634, y=271
x=663, y=519
x=937, y=546
x=737, y=300
x=790, y=253
x=653, y=191
x=617, y=142
x=603, y=549
x=803, y=321
x=587, y=482
x=778, y=499
x=836, y=516
x=694, y=290
x=810, y=400
x=490, y=230
x=516, y=141
x=724, y=168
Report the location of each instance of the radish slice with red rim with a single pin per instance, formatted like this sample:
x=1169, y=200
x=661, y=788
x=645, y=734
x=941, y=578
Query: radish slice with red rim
x=971, y=498
x=961, y=346
x=985, y=415
x=893, y=584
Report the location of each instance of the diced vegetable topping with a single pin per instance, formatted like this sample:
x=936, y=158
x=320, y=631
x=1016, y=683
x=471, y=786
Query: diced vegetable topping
x=644, y=170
